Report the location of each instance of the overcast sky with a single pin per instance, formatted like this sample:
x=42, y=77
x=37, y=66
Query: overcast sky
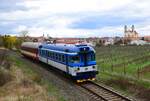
x=74, y=18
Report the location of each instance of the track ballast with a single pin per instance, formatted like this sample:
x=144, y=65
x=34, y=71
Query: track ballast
x=101, y=93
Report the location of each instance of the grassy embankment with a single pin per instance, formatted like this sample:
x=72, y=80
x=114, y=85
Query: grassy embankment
x=20, y=82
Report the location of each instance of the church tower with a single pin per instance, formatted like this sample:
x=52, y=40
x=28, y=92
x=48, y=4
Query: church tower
x=132, y=28
x=125, y=28
x=125, y=31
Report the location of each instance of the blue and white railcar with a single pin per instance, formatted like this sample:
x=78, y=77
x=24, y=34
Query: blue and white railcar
x=75, y=60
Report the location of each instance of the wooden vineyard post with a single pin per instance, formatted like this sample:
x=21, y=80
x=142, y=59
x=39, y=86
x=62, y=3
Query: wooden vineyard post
x=112, y=68
x=124, y=69
x=103, y=67
x=138, y=72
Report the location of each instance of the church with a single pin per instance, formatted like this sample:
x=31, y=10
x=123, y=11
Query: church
x=130, y=34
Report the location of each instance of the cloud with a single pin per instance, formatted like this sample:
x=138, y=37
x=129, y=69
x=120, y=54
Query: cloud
x=20, y=28
x=10, y=5
x=40, y=8
x=74, y=18
x=72, y=6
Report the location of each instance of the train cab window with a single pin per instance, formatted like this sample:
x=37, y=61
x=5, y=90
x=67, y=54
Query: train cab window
x=91, y=57
x=75, y=59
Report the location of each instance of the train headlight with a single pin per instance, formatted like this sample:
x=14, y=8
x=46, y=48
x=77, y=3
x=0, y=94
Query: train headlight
x=94, y=67
x=77, y=69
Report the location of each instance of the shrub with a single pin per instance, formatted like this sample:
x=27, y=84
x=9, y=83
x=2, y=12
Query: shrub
x=37, y=78
x=26, y=83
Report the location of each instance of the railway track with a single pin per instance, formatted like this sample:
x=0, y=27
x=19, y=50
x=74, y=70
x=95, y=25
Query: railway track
x=101, y=93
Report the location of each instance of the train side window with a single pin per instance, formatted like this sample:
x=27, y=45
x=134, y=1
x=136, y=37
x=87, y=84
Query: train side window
x=40, y=52
x=49, y=54
x=56, y=56
x=60, y=57
x=43, y=52
x=63, y=58
x=53, y=56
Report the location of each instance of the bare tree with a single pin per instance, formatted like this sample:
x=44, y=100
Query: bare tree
x=24, y=34
x=1, y=40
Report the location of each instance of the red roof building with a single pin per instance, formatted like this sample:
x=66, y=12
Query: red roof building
x=147, y=38
x=69, y=40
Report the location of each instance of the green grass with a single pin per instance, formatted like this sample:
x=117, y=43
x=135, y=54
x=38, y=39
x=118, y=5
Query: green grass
x=52, y=90
x=24, y=66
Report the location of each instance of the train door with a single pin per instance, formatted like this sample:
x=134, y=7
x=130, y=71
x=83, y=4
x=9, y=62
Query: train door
x=85, y=59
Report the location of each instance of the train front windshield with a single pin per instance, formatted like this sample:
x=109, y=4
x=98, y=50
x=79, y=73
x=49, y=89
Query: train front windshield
x=83, y=59
x=75, y=59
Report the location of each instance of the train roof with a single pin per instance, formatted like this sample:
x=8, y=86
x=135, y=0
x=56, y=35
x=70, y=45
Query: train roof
x=67, y=47
x=31, y=44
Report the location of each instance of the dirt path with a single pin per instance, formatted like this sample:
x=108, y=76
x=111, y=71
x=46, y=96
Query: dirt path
x=69, y=90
